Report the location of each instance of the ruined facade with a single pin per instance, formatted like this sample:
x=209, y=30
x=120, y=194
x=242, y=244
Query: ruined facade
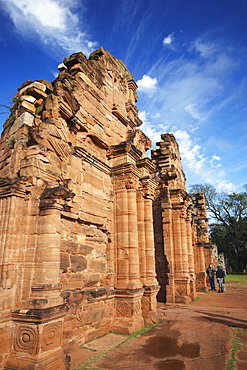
x=77, y=195
x=181, y=228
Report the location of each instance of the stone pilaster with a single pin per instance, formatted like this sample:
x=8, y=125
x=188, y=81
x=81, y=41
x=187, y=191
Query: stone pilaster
x=46, y=282
x=12, y=241
x=122, y=278
x=191, y=259
x=151, y=286
x=141, y=236
x=182, y=277
x=177, y=243
x=38, y=330
x=134, y=272
x=149, y=189
x=129, y=292
x=201, y=284
x=168, y=245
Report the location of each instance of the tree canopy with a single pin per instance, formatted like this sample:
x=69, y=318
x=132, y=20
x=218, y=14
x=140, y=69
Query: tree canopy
x=228, y=226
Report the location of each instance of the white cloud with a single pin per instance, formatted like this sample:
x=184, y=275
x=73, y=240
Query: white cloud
x=168, y=39
x=146, y=83
x=198, y=165
x=53, y=22
x=154, y=132
x=224, y=186
x=215, y=158
x=143, y=116
x=193, y=110
x=205, y=49
x=192, y=98
x=191, y=154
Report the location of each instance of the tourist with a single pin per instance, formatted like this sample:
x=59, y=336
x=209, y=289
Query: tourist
x=210, y=272
x=220, y=275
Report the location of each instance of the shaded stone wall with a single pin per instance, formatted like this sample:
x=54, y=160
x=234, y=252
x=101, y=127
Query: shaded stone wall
x=182, y=246
x=76, y=224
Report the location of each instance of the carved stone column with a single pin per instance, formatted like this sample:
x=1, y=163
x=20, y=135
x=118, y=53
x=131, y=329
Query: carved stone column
x=129, y=292
x=122, y=279
x=201, y=274
x=177, y=243
x=141, y=236
x=151, y=286
x=149, y=188
x=12, y=210
x=12, y=248
x=185, y=259
x=38, y=333
x=46, y=282
x=182, y=281
x=134, y=272
x=191, y=259
x=165, y=247
x=169, y=252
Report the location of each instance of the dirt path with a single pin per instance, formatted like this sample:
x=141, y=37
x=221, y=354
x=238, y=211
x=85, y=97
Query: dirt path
x=210, y=333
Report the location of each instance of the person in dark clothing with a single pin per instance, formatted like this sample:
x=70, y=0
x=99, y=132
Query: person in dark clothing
x=210, y=272
x=220, y=276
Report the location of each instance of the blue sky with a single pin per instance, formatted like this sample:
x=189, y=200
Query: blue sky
x=188, y=57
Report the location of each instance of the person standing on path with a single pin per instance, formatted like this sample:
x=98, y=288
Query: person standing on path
x=220, y=275
x=210, y=272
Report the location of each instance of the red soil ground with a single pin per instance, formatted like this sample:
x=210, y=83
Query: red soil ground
x=189, y=337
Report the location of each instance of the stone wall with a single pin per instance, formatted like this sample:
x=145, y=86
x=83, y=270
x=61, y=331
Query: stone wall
x=76, y=190
x=77, y=195
x=182, y=247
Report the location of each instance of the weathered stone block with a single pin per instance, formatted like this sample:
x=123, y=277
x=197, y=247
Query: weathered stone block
x=64, y=261
x=78, y=263
x=85, y=250
x=97, y=266
x=25, y=118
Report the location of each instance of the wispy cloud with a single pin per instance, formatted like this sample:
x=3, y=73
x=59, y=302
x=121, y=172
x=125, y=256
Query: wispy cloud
x=199, y=165
x=205, y=49
x=191, y=93
x=53, y=22
x=151, y=130
x=194, y=112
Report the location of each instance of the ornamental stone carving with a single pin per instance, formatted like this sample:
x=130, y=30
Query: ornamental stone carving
x=26, y=339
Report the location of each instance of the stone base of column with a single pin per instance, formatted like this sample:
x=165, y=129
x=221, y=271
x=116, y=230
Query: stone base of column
x=25, y=362
x=182, y=291
x=193, y=294
x=170, y=290
x=201, y=285
x=37, y=340
x=149, y=305
x=128, y=313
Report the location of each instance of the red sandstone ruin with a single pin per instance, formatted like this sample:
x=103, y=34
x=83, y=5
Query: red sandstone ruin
x=91, y=229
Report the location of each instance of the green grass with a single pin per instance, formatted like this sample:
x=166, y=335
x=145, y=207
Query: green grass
x=196, y=299
x=235, y=347
x=85, y=365
x=241, y=278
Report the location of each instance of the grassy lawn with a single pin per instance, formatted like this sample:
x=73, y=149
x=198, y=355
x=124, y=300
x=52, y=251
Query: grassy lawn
x=235, y=277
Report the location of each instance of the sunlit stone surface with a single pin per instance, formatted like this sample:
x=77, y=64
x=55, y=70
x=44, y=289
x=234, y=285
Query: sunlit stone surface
x=79, y=206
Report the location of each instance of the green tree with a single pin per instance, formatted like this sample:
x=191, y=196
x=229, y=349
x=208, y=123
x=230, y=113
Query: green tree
x=228, y=226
